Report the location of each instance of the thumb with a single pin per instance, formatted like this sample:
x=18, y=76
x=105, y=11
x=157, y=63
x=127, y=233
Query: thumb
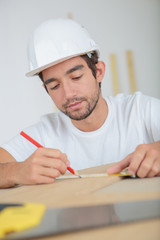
x=118, y=167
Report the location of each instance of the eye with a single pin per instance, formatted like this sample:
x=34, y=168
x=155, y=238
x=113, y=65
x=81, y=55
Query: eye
x=55, y=87
x=78, y=77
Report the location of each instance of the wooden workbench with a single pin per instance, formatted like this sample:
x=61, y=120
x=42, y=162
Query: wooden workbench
x=92, y=191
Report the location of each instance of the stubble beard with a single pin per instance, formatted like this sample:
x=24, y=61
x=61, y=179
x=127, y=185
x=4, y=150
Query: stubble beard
x=81, y=114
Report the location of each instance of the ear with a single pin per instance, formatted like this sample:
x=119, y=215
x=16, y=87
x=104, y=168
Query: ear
x=100, y=71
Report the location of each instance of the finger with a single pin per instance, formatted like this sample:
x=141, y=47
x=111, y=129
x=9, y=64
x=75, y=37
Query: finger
x=54, y=164
x=34, y=176
x=60, y=166
x=154, y=170
x=52, y=153
x=146, y=165
x=40, y=153
x=45, y=180
x=120, y=166
x=49, y=172
x=137, y=158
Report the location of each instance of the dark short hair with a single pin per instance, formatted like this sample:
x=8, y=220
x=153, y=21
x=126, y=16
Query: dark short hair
x=91, y=59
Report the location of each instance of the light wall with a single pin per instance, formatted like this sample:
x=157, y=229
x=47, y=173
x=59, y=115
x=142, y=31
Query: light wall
x=116, y=25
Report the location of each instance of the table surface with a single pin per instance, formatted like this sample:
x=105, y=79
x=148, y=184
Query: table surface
x=92, y=191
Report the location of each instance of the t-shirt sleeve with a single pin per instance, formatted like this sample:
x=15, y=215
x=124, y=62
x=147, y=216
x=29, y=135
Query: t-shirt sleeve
x=151, y=110
x=19, y=147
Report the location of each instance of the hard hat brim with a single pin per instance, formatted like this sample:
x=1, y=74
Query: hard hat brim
x=40, y=69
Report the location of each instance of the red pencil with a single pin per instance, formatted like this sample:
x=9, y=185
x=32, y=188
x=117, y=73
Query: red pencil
x=40, y=146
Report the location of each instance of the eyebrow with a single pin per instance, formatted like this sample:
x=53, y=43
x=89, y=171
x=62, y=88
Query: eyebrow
x=49, y=80
x=74, y=69
x=68, y=72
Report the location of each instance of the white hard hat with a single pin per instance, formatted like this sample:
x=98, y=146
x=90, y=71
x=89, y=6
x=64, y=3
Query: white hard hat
x=55, y=41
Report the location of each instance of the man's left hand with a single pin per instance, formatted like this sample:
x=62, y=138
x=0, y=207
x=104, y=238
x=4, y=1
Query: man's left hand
x=144, y=161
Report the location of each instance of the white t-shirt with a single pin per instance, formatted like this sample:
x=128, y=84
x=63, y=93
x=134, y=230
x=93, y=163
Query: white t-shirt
x=132, y=120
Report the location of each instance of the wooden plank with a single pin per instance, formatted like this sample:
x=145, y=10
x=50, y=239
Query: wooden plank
x=129, y=57
x=114, y=72
x=69, y=15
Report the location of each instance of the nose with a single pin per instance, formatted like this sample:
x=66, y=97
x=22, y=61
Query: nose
x=68, y=90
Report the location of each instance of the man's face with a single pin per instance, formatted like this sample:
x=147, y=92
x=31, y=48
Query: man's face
x=72, y=87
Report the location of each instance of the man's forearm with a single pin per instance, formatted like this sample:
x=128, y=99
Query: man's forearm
x=6, y=175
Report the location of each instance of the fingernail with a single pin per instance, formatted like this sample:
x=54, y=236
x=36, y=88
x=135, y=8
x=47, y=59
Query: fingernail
x=68, y=163
x=131, y=171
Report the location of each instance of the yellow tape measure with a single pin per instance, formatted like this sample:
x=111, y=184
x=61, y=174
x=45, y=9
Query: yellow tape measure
x=18, y=218
x=124, y=173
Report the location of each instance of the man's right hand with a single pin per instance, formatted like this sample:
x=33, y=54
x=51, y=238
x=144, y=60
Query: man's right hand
x=43, y=166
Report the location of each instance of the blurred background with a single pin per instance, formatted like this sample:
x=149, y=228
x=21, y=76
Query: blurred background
x=128, y=32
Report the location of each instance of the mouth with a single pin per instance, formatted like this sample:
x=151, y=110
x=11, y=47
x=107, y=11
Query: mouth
x=74, y=106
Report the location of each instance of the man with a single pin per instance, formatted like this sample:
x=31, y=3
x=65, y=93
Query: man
x=89, y=130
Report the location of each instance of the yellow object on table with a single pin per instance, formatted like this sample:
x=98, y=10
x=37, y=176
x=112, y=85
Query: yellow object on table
x=18, y=218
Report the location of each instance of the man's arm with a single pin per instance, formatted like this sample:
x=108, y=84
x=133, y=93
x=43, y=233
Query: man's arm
x=144, y=161
x=5, y=156
x=43, y=166
x=6, y=161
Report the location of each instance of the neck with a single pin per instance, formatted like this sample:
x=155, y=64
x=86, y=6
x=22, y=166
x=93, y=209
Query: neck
x=95, y=120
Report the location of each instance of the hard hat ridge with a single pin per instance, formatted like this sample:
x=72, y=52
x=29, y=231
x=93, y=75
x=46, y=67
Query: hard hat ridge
x=55, y=41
